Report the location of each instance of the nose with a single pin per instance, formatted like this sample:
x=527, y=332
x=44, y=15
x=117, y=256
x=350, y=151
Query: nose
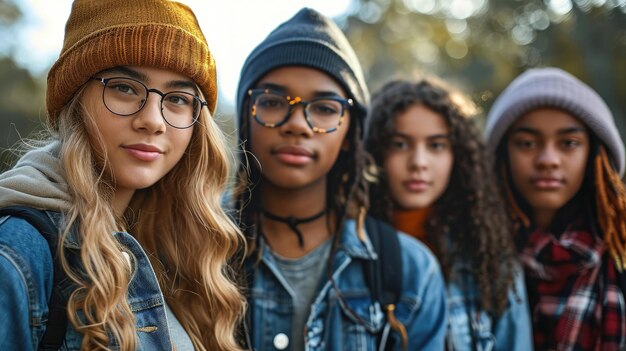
x=548, y=157
x=150, y=118
x=419, y=158
x=296, y=123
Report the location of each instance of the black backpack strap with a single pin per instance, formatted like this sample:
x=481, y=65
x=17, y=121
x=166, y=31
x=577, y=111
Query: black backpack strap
x=386, y=243
x=384, y=276
x=56, y=326
x=372, y=268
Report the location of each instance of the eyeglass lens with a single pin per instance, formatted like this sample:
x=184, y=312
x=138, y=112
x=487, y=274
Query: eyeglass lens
x=322, y=113
x=125, y=97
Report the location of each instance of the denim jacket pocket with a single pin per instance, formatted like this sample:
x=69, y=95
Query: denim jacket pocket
x=361, y=310
x=460, y=336
x=271, y=312
x=361, y=321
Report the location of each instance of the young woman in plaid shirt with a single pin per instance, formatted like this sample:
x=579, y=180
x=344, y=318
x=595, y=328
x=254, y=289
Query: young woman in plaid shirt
x=560, y=157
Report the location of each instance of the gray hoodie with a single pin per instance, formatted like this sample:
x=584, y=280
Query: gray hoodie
x=37, y=180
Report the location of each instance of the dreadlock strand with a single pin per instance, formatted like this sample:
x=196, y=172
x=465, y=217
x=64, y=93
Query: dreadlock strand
x=616, y=248
x=615, y=197
x=611, y=202
x=361, y=223
x=622, y=229
x=603, y=209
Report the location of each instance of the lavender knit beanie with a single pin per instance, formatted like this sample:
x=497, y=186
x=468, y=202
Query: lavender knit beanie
x=553, y=87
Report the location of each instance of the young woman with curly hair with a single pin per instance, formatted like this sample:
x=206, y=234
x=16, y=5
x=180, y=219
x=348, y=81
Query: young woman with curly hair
x=301, y=105
x=132, y=177
x=560, y=156
x=435, y=184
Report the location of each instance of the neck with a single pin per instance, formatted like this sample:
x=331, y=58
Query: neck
x=121, y=200
x=299, y=203
x=543, y=219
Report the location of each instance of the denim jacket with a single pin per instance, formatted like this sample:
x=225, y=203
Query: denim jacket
x=26, y=278
x=334, y=324
x=510, y=331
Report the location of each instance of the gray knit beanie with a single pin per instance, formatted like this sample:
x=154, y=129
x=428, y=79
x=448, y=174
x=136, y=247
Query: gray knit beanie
x=312, y=40
x=553, y=87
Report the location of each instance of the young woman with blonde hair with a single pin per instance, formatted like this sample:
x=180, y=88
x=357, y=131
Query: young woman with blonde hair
x=132, y=178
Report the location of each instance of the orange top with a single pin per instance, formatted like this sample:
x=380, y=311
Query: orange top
x=411, y=222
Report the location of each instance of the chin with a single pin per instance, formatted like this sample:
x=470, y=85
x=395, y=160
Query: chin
x=547, y=204
x=289, y=180
x=137, y=183
x=414, y=205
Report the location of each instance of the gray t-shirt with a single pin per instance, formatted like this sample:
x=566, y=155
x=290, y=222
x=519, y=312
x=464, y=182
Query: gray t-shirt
x=303, y=275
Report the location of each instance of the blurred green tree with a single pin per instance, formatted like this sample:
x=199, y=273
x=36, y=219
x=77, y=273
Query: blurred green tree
x=21, y=94
x=481, y=45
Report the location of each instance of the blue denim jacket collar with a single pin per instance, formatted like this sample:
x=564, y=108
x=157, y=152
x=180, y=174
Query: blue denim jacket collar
x=332, y=323
x=22, y=243
x=353, y=246
x=72, y=240
x=348, y=241
x=509, y=331
x=350, y=246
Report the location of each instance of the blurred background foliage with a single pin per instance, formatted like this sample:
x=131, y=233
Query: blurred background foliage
x=477, y=45
x=481, y=45
x=21, y=95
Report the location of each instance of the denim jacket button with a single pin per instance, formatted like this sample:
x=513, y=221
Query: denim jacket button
x=281, y=341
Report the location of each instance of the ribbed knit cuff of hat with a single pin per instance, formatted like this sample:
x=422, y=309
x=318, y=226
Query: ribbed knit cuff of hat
x=307, y=53
x=554, y=88
x=311, y=40
x=102, y=34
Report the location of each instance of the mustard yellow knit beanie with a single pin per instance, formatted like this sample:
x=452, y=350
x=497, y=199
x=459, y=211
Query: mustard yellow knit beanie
x=102, y=34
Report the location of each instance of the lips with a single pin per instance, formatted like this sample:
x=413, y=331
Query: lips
x=547, y=183
x=143, y=152
x=293, y=154
x=416, y=185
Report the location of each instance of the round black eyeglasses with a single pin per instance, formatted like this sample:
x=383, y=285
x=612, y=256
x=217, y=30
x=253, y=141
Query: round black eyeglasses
x=125, y=96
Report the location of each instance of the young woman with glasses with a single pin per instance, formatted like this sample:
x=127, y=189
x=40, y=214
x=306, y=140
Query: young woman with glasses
x=303, y=199
x=132, y=179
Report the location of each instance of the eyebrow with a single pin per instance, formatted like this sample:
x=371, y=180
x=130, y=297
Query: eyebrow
x=181, y=84
x=434, y=136
x=567, y=130
x=283, y=89
x=172, y=84
x=129, y=72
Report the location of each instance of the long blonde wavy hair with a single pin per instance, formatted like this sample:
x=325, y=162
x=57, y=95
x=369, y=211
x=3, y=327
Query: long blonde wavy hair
x=179, y=222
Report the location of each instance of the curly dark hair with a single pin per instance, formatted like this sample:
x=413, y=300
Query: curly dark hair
x=347, y=188
x=467, y=225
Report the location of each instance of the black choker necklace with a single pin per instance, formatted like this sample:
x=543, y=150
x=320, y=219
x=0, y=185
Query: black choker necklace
x=293, y=222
